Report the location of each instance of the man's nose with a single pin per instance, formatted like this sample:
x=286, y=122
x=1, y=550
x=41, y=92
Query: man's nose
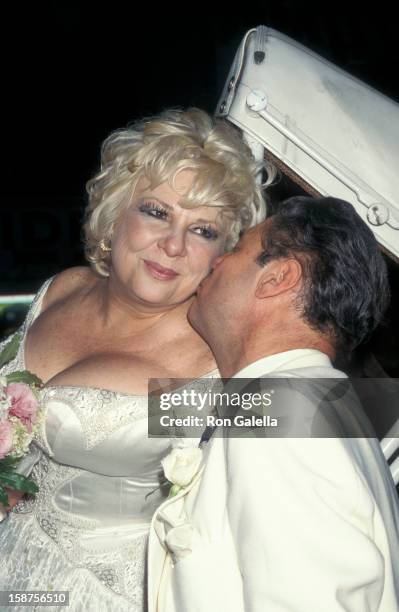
x=173, y=243
x=218, y=261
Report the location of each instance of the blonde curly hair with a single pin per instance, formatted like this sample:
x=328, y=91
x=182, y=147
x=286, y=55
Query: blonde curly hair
x=160, y=147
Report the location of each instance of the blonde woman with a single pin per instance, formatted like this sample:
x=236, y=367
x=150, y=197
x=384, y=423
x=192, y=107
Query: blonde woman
x=173, y=193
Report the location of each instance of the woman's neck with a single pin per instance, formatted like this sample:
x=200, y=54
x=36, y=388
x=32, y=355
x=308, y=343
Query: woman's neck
x=116, y=311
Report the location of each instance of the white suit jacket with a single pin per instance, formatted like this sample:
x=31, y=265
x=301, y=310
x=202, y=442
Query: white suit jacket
x=280, y=525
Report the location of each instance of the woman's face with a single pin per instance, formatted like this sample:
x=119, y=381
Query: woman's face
x=161, y=251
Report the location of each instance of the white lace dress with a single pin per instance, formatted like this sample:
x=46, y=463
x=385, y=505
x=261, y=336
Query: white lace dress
x=86, y=530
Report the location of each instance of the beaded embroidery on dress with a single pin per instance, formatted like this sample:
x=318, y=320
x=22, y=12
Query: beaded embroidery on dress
x=86, y=530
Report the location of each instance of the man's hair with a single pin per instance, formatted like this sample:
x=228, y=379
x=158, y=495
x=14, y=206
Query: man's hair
x=345, y=290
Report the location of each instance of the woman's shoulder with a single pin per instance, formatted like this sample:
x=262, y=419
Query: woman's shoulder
x=67, y=283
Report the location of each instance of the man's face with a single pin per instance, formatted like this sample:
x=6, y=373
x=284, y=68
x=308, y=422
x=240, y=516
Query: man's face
x=225, y=298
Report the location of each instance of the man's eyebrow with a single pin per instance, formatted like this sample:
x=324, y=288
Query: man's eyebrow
x=171, y=208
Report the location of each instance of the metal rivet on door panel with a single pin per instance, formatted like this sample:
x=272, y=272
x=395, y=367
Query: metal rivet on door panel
x=377, y=214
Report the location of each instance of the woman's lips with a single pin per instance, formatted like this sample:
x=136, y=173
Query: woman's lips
x=159, y=272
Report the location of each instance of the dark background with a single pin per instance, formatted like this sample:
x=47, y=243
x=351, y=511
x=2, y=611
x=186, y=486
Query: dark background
x=74, y=71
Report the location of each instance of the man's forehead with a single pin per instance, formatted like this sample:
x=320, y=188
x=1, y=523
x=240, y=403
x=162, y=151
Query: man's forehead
x=254, y=234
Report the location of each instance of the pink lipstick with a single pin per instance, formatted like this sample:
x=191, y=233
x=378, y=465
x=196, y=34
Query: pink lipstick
x=159, y=272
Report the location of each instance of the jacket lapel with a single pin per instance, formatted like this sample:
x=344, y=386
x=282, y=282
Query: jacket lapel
x=169, y=513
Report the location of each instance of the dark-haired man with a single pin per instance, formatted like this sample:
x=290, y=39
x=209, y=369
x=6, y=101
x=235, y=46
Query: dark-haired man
x=288, y=524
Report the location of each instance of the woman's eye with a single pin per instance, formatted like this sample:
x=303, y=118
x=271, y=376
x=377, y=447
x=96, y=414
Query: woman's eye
x=207, y=232
x=153, y=210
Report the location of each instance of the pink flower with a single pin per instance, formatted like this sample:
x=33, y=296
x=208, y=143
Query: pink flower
x=23, y=403
x=6, y=436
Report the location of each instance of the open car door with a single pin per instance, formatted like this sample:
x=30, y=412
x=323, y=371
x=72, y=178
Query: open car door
x=326, y=130
x=329, y=134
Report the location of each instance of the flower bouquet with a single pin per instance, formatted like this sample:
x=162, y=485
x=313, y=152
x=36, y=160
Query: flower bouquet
x=20, y=418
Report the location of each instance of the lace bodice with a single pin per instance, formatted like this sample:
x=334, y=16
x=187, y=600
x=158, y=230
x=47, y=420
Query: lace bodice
x=102, y=431
x=97, y=471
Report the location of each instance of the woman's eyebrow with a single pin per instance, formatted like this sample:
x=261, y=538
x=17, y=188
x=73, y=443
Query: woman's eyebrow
x=171, y=207
x=205, y=221
x=151, y=197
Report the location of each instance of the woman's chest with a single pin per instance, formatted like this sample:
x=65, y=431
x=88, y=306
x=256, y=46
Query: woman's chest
x=66, y=353
x=100, y=431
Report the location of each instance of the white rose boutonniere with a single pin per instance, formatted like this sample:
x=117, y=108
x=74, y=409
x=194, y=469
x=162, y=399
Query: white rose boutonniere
x=180, y=467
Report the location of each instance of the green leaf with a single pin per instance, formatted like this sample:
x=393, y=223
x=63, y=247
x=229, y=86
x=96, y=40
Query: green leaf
x=3, y=496
x=10, y=350
x=17, y=482
x=8, y=464
x=174, y=490
x=25, y=377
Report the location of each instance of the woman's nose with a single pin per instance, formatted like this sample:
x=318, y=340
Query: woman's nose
x=173, y=243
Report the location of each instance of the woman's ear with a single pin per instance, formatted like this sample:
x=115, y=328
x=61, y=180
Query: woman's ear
x=278, y=276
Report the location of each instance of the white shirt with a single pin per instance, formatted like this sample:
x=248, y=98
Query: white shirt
x=290, y=361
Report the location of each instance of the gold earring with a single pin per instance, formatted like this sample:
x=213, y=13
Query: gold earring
x=104, y=248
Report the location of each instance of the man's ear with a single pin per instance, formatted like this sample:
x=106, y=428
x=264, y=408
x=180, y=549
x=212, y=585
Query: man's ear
x=278, y=276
